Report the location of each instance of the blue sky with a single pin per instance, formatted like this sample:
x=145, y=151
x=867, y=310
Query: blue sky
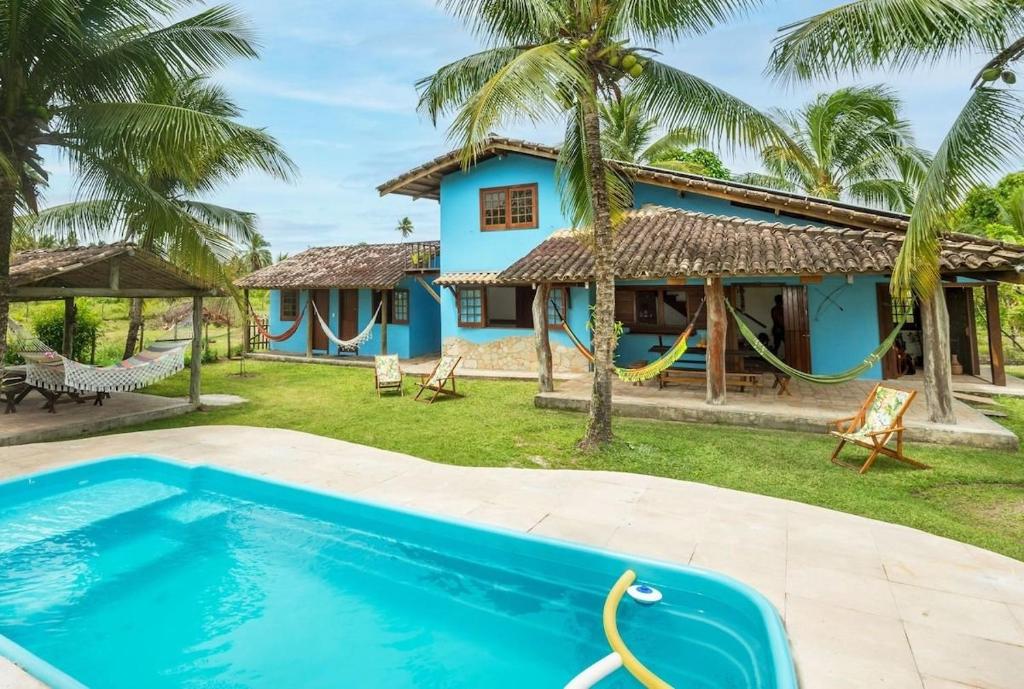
x=335, y=84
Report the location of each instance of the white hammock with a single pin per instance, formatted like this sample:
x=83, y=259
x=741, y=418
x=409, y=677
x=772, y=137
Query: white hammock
x=360, y=339
x=158, y=361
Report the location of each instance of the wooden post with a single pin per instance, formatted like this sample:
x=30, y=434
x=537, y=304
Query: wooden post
x=718, y=326
x=545, y=378
x=384, y=321
x=938, y=375
x=245, y=316
x=309, y=324
x=995, y=334
x=195, y=372
x=68, y=345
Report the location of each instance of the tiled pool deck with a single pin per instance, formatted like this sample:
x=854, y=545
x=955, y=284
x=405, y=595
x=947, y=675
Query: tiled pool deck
x=867, y=604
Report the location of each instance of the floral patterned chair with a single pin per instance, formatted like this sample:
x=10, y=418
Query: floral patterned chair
x=387, y=374
x=437, y=381
x=879, y=421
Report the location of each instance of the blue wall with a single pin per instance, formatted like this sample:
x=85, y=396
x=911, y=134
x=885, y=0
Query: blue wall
x=420, y=337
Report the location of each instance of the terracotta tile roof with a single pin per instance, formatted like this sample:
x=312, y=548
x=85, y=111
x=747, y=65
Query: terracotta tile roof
x=474, y=278
x=375, y=266
x=658, y=242
x=424, y=181
x=89, y=267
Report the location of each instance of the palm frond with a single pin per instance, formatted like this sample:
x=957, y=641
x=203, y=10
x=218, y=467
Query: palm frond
x=511, y=22
x=758, y=179
x=653, y=20
x=891, y=194
x=450, y=87
x=986, y=136
x=863, y=34
x=670, y=142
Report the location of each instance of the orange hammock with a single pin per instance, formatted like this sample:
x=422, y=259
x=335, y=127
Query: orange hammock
x=283, y=336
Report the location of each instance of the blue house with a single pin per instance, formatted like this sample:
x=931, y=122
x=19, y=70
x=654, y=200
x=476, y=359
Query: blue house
x=809, y=275
x=390, y=285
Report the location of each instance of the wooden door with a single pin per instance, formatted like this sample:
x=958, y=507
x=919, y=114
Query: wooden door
x=797, y=326
x=349, y=327
x=890, y=365
x=963, y=335
x=322, y=299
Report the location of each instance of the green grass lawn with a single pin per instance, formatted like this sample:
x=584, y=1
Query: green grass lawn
x=971, y=495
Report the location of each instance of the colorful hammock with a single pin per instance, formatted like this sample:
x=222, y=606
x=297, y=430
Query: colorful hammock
x=283, y=336
x=157, y=361
x=357, y=341
x=649, y=371
x=834, y=379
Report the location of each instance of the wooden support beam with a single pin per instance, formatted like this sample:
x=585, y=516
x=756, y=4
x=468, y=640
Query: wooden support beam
x=995, y=334
x=196, y=367
x=718, y=326
x=246, y=308
x=938, y=374
x=545, y=377
x=430, y=290
x=44, y=293
x=68, y=345
x=309, y=324
x=384, y=320
x=115, y=273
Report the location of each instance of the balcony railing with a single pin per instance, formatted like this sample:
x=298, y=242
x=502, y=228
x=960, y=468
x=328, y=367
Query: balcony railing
x=424, y=257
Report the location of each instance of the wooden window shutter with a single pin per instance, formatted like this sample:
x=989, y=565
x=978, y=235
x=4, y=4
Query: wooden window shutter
x=625, y=306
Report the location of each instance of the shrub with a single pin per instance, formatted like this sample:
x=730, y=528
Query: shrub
x=49, y=327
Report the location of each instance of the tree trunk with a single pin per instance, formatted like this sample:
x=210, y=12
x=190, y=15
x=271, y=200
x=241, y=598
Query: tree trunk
x=196, y=365
x=938, y=376
x=70, y=319
x=545, y=380
x=599, y=425
x=131, y=342
x=6, y=237
x=718, y=326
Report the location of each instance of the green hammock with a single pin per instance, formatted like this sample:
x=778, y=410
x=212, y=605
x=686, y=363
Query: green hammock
x=644, y=373
x=834, y=379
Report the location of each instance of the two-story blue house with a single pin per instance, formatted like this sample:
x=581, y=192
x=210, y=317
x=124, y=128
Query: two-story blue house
x=809, y=275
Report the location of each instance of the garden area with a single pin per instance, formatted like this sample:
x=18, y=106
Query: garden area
x=974, y=496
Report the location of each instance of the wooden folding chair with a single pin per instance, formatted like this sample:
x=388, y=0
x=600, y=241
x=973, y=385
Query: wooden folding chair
x=437, y=381
x=387, y=374
x=879, y=421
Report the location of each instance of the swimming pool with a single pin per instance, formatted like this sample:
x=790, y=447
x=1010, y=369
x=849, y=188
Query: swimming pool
x=135, y=572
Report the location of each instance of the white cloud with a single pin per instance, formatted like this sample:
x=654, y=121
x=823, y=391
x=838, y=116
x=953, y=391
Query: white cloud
x=374, y=93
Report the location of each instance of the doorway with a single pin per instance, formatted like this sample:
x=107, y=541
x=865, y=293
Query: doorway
x=322, y=300
x=349, y=325
x=777, y=313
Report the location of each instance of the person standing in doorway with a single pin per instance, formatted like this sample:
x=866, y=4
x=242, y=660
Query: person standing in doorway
x=778, y=325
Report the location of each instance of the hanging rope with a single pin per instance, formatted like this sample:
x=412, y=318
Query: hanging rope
x=649, y=371
x=356, y=341
x=283, y=336
x=834, y=379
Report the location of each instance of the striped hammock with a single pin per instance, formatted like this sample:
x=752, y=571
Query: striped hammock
x=158, y=361
x=357, y=341
x=833, y=379
x=649, y=371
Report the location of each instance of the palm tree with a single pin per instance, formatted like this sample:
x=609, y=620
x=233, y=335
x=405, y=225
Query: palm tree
x=72, y=75
x=405, y=227
x=255, y=253
x=903, y=34
x=557, y=60
x=151, y=201
x=986, y=135
x=848, y=144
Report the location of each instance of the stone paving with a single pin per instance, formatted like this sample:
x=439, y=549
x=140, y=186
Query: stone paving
x=808, y=409
x=867, y=604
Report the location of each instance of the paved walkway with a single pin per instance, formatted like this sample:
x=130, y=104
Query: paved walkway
x=867, y=604
x=808, y=409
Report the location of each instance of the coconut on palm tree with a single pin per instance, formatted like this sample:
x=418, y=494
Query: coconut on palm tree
x=405, y=227
x=72, y=77
x=155, y=202
x=558, y=60
x=987, y=134
x=850, y=144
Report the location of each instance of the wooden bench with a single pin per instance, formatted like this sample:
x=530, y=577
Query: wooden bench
x=683, y=376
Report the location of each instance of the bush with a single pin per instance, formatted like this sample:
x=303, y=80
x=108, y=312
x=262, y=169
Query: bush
x=49, y=327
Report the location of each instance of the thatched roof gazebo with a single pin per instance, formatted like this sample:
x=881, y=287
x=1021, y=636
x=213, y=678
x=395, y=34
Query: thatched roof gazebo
x=120, y=270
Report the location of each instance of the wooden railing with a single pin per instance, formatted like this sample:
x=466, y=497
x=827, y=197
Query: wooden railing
x=424, y=257
x=257, y=340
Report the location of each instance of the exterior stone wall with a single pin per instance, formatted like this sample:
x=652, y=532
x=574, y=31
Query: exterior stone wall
x=513, y=354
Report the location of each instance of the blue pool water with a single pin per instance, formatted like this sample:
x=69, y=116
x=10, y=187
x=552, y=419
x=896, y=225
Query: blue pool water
x=137, y=573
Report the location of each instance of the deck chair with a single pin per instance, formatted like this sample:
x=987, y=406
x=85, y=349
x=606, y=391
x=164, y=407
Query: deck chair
x=437, y=381
x=879, y=421
x=387, y=374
